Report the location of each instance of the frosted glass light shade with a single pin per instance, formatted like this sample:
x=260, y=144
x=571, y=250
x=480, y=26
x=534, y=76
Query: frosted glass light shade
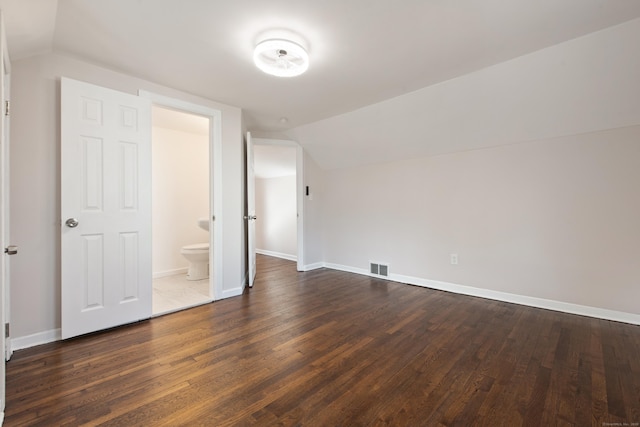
x=282, y=58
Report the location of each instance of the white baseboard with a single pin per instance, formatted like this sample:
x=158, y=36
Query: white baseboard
x=565, y=307
x=18, y=343
x=350, y=269
x=277, y=254
x=315, y=266
x=228, y=293
x=167, y=273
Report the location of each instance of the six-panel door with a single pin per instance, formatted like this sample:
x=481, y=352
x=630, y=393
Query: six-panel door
x=105, y=207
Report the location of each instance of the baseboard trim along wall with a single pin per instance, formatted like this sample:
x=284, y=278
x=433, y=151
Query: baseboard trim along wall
x=167, y=273
x=565, y=307
x=315, y=266
x=228, y=293
x=277, y=254
x=18, y=343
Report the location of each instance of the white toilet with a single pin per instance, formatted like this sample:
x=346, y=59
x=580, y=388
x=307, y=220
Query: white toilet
x=198, y=257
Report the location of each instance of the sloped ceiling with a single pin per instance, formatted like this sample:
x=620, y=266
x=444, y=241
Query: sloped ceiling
x=362, y=51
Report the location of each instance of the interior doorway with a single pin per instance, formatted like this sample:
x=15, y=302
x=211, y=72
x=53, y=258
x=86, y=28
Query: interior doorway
x=279, y=199
x=205, y=126
x=180, y=210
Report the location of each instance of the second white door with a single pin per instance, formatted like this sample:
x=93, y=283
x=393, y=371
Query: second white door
x=251, y=211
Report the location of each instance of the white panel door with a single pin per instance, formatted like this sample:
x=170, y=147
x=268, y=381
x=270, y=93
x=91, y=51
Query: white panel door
x=106, y=208
x=251, y=210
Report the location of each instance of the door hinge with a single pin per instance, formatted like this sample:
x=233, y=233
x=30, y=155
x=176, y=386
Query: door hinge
x=7, y=107
x=6, y=330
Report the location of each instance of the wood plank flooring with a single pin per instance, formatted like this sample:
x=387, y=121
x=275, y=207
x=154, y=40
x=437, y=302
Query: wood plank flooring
x=327, y=348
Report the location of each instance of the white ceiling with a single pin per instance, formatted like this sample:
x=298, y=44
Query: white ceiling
x=362, y=51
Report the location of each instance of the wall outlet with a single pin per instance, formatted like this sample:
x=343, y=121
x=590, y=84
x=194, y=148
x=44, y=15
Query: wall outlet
x=454, y=259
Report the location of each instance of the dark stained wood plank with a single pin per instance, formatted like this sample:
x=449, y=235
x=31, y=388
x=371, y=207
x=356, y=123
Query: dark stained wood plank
x=332, y=348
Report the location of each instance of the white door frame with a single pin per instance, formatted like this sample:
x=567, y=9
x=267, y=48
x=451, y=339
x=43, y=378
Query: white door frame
x=215, y=179
x=6, y=171
x=299, y=192
x=5, y=344
x=6, y=215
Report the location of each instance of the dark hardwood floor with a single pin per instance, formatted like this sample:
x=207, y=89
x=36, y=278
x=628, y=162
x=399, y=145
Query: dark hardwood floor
x=327, y=348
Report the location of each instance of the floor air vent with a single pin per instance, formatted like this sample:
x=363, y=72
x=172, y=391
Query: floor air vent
x=379, y=269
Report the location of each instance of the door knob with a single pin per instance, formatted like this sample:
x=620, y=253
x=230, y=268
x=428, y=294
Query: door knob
x=11, y=250
x=71, y=223
x=250, y=217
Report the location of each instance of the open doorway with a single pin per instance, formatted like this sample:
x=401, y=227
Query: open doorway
x=278, y=199
x=180, y=210
x=214, y=159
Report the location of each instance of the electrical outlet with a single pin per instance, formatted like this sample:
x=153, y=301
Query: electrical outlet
x=454, y=259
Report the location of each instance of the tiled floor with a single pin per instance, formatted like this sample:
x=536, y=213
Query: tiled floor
x=172, y=293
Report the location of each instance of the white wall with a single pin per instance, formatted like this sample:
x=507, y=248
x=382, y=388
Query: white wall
x=555, y=219
x=313, y=214
x=528, y=170
x=180, y=195
x=276, y=211
x=35, y=186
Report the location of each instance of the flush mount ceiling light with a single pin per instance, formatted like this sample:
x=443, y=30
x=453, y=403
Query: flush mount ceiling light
x=282, y=58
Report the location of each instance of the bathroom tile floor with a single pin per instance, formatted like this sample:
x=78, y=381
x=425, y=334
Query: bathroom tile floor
x=173, y=293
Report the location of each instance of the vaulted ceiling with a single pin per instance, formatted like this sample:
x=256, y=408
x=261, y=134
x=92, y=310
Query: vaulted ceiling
x=362, y=51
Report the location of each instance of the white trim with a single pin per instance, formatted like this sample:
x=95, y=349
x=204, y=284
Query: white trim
x=228, y=293
x=348, y=269
x=6, y=348
x=315, y=266
x=565, y=307
x=215, y=179
x=277, y=254
x=168, y=273
x=37, y=339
